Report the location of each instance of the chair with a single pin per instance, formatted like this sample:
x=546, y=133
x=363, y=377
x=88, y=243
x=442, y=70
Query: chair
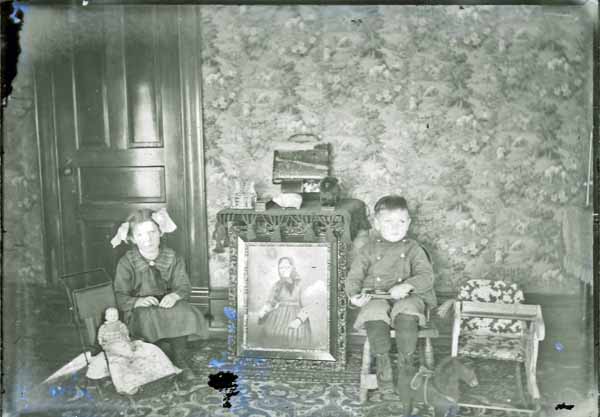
x=368, y=378
x=90, y=293
x=491, y=322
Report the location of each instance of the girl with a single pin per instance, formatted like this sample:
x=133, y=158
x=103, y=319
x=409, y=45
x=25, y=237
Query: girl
x=152, y=287
x=284, y=321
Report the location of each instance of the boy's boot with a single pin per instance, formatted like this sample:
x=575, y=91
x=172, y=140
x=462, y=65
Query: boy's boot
x=384, y=367
x=406, y=372
x=407, y=328
x=178, y=345
x=378, y=333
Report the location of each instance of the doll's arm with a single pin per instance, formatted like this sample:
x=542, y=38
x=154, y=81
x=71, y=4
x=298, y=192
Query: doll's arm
x=102, y=336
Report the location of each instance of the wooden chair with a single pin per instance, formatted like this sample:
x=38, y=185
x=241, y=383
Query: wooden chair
x=368, y=378
x=90, y=293
x=491, y=322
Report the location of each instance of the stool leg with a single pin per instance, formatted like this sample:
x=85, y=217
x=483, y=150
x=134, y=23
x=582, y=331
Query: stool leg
x=364, y=372
x=429, y=361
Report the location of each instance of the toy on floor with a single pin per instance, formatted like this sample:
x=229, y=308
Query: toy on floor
x=131, y=364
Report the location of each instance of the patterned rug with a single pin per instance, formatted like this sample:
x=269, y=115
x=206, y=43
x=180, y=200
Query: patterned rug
x=269, y=393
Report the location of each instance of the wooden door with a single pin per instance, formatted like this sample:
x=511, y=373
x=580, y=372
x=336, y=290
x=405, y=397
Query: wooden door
x=114, y=136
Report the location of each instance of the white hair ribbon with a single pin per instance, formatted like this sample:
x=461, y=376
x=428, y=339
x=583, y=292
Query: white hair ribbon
x=121, y=235
x=164, y=221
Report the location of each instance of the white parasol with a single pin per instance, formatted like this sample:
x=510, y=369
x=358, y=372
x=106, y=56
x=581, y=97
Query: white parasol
x=97, y=367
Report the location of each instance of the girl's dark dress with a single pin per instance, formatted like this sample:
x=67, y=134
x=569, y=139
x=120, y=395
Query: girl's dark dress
x=136, y=277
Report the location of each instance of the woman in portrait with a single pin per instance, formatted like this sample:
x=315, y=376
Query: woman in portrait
x=284, y=321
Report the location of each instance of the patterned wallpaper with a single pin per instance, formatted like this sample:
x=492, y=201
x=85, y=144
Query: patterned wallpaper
x=480, y=116
x=23, y=254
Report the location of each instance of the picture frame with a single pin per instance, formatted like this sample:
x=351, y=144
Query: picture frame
x=318, y=297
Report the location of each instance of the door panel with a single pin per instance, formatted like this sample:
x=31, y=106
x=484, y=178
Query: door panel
x=119, y=126
x=117, y=138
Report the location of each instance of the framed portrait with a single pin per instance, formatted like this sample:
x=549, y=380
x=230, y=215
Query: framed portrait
x=289, y=301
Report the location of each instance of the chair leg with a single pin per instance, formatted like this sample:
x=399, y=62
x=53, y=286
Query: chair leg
x=429, y=359
x=520, y=382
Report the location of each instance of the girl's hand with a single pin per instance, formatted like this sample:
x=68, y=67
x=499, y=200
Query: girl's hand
x=169, y=300
x=146, y=302
x=294, y=324
x=360, y=299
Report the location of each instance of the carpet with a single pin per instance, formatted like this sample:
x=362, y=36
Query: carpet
x=271, y=393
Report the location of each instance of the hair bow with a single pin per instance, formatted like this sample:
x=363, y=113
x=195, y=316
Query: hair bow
x=121, y=235
x=163, y=220
x=160, y=217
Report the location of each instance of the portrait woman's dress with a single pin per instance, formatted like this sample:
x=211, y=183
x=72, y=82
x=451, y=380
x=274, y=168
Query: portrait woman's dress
x=287, y=306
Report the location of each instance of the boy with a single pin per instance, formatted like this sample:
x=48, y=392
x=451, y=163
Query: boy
x=391, y=263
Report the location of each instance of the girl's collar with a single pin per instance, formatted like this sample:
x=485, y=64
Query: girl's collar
x=163, y=261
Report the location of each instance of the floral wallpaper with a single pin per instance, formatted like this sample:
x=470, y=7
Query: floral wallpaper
x=23, y=253
x=480, y=116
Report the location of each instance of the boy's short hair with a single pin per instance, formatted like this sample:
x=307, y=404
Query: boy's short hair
x=391, y=202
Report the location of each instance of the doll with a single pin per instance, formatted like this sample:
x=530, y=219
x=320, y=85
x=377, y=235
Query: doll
x=113, y=335
x=132, y=364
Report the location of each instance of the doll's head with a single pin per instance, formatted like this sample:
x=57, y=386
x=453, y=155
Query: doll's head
x=111, y=315
x=392, y=218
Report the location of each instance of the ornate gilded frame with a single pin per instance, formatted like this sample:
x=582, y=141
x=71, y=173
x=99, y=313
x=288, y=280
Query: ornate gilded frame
x=334, y=358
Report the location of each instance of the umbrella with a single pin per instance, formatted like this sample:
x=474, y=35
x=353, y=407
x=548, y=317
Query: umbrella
x=79, y=362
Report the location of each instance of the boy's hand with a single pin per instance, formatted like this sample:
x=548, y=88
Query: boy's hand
x=360, y=299
x=401, y=291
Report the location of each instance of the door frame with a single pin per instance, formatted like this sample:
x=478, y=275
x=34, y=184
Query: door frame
x=195, y=223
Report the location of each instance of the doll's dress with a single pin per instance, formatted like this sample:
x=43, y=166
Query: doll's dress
x=132, y=364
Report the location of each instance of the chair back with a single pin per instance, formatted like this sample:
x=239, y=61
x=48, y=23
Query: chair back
x=488, y=291
x=90, y=294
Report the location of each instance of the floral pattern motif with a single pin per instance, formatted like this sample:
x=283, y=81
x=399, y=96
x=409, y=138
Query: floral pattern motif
x=479, y=115
x=23, y=245
x=491, y=347
x=486, y=291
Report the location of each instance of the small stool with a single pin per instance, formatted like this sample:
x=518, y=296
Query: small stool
x=368, y=379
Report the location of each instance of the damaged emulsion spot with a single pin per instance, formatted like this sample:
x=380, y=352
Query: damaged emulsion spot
x=224, y=381
x=12, y=21
x=563, y=406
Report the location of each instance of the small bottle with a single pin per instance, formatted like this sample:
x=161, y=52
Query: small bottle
x=253, y=194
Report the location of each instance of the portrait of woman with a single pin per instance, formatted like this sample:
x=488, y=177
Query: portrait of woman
x=282, y=319
x=287, y=296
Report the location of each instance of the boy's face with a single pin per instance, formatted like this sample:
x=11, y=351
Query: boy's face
x=392, y=224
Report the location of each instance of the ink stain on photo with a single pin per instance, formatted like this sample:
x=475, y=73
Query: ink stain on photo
x=563, y=406
x=224, y=382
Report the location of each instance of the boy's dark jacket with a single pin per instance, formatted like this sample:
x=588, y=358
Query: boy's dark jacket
x=380, y=265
